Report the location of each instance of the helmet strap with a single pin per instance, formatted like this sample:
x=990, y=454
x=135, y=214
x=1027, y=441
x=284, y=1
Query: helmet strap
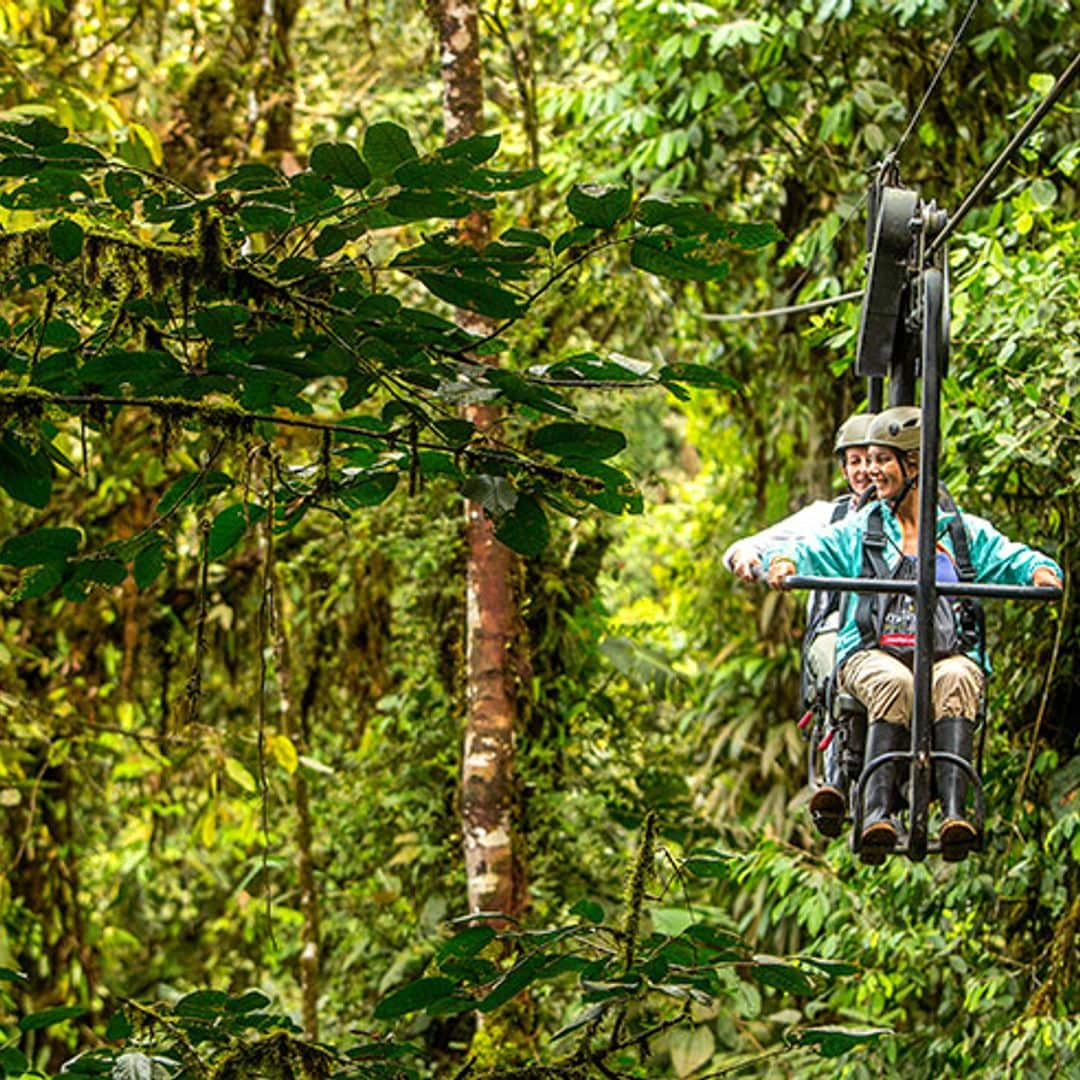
x=908, y=484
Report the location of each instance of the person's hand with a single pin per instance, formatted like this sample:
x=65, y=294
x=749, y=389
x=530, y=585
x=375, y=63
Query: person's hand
x=780, y=569
x=745, y=564
x=1045, y=576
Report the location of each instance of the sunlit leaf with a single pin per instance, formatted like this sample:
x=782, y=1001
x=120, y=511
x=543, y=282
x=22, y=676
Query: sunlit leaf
x=238, y=773
x=284, y=752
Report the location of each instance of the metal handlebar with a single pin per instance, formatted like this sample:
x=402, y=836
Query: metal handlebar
x=909, y=588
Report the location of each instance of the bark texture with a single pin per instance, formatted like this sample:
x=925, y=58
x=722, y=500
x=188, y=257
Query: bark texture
x=495, y=873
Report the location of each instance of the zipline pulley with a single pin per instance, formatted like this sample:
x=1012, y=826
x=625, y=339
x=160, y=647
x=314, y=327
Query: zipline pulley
x=903, y=337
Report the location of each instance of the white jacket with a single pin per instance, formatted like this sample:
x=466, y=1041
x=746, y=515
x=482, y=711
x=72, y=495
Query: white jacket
x=809, y=521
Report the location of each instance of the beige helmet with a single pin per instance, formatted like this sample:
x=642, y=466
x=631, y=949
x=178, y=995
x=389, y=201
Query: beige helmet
x=898, y=428
x=854, y=431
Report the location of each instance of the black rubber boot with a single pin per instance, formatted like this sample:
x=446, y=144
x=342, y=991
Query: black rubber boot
x=880, y=831
x=827, y=805
x=953, y=734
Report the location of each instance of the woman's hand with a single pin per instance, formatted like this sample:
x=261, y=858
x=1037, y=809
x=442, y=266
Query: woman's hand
x=780, y=569
x=745, y=563
x=1045, y=576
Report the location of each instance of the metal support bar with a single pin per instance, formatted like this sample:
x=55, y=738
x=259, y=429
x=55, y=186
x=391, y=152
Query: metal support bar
x=909, y=588
x=922, y=716
x=875, y=393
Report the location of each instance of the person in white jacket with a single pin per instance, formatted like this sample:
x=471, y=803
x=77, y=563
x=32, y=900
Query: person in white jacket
x=743, y=558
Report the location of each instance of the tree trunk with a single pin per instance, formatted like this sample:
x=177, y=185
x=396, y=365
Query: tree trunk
x=494, y=870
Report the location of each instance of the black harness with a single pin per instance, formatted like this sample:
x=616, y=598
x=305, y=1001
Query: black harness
x=825, y=603
x=967, y=613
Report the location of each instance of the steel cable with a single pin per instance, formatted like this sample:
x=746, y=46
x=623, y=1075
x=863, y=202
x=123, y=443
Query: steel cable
x=937, y=77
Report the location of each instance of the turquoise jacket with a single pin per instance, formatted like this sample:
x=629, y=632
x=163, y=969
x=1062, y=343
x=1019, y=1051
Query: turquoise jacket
x=838, y=552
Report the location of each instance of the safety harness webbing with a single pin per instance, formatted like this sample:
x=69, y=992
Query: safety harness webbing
x=870, y=608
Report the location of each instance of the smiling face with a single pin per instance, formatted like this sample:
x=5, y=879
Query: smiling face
x=887, y=471
x=855, y=468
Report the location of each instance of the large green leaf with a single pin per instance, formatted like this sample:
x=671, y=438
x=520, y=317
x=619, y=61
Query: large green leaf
x=100, y=571
x=218, y=322
x=525, y=528
x=530, y=237
x=588, y=367
x=476, y=149
x=47, y=1017
x=513, y=982
x=367, y=489
x=341, y=164
x=40, y=581
x=417, y=995
x=749, y=235
x=25, y=474
x=685, y=217
x=201, y=1003
x=13, y=1061
x=252, y=176
x=40, y=547
x=697, y=375
x=834, y=1040
x=598, y=205
x=230, y=525
x=72, y=154
x=386, y=146
x=771, y=971
x=66, y=240
x=689, y=218
x=122, y=187
x=421, y=205
x=588, y=909
x=192, y=487
x=149, y=563
x=38, y=132
x=565, y=439
x=467, y=942
x=479, y=296
x=514, y=388
x=674, y=257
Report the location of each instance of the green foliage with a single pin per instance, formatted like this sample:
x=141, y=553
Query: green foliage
x=635, y=990
x=268, y=295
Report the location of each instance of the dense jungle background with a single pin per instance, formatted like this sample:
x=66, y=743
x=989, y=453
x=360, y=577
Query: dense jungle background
x=237, y=670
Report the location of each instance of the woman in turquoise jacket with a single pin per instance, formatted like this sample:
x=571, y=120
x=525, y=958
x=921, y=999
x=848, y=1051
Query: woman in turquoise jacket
x=876, y=641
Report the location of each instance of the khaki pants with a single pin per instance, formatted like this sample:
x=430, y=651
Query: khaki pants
x=886, y=686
